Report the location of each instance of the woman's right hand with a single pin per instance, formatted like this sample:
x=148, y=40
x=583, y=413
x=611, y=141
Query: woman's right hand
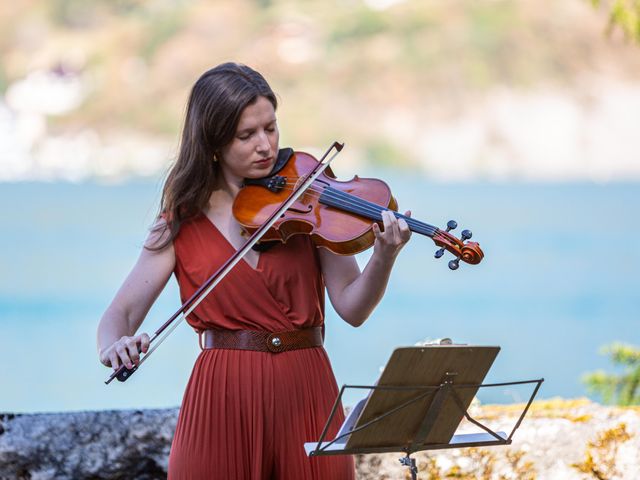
x=125, y=351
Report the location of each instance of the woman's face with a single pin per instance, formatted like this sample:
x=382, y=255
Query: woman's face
x=254, y=148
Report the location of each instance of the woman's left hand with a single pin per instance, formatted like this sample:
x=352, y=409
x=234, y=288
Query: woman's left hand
x=395, y=235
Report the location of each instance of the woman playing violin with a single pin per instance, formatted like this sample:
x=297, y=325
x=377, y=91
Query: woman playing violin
x=247, y=411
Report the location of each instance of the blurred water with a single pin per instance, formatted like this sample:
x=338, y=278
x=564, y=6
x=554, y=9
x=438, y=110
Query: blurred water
x=558, y=281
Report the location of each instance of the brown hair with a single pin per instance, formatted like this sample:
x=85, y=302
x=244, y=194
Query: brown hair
x=215, y=104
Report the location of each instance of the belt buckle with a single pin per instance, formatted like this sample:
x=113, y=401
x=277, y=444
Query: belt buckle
x=275, y=342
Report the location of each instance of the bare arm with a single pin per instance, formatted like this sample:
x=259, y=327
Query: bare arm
x=117, y=342
x=355, y=294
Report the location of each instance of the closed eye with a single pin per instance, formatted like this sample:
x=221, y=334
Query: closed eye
x=246, y=134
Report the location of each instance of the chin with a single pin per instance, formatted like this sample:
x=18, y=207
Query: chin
x=259, y=173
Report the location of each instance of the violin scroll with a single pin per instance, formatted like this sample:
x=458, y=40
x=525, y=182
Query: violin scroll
x=462, y=249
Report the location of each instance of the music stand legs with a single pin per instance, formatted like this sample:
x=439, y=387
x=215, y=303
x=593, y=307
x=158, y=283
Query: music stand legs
x=411, y=463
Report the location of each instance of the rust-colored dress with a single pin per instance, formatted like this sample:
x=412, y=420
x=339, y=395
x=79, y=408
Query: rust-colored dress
x=246, y=414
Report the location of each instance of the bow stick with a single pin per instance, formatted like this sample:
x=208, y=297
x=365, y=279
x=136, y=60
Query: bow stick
x=123, y=373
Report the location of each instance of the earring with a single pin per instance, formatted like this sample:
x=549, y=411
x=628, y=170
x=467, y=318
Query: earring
x=215, y=158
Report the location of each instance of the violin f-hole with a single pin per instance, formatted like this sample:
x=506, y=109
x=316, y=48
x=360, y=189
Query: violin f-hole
x=309, y=209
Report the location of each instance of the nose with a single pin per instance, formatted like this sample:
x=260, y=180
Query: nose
x=263, y=143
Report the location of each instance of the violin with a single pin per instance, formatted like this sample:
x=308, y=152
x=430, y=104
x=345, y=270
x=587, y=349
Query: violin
x=338, y=215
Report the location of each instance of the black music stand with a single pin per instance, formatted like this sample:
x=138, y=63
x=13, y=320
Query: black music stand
x=417, y=404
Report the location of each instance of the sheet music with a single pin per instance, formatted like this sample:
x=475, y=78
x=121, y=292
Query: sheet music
x=351, y=419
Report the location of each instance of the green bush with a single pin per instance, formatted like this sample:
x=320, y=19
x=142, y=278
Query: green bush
x=623, y=14
x=621, y=389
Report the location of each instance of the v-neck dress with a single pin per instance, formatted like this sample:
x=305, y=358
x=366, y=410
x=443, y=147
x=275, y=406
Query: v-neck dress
x=246, y=414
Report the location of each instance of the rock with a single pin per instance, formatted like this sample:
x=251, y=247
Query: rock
x=559, y=439
x=96, y=445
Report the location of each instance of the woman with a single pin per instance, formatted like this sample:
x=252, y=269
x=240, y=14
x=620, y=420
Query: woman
x=246, y=412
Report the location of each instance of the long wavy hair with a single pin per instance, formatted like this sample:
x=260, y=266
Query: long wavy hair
x=215, y=104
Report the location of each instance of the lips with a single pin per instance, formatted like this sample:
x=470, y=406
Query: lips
x=264, y=162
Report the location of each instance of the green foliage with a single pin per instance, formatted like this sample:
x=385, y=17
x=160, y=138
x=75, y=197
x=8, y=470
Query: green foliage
x=160, y=28
x=622, y=389
x=383, y=153
x=365, y=23
x=623, y=14
x=3, y=80
x=83, y=14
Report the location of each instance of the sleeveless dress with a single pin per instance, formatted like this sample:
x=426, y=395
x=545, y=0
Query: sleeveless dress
x=247, y=414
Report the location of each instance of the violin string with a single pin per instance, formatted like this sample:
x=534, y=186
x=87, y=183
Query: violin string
x=369, y=207
x=374, y=209
x=365, y=208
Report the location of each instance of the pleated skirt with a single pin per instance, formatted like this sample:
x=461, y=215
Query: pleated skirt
x=246, y=415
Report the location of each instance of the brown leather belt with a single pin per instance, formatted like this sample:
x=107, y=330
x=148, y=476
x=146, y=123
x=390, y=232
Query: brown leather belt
x=260, y=341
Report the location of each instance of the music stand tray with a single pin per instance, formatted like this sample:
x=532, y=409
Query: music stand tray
x=417, y=404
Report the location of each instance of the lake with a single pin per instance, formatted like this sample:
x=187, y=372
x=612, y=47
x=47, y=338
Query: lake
x=559, y=280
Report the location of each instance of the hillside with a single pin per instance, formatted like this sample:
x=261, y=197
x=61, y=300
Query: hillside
x=462, y=89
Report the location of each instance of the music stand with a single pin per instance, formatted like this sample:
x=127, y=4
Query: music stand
x=417, y=404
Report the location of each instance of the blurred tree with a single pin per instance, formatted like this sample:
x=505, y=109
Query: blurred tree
x=624, y=14
x=80, y=14
x=623, y=389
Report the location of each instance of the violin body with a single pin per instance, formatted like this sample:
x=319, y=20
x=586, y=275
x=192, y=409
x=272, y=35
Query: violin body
x=341, y=232
x=338, y=215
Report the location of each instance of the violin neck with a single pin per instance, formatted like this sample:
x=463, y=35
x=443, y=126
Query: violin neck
x=350, y=203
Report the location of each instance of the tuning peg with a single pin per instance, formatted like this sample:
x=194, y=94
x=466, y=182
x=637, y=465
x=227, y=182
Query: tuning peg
x=439, y=253
x=454, y=264
x=451, y=225
x=466, y=235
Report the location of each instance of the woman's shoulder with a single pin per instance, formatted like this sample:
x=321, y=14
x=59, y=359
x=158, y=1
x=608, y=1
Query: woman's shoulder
x=163, y=229
x=159, y=236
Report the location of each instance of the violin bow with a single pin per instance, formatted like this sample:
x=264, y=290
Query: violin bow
x=124, y=373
